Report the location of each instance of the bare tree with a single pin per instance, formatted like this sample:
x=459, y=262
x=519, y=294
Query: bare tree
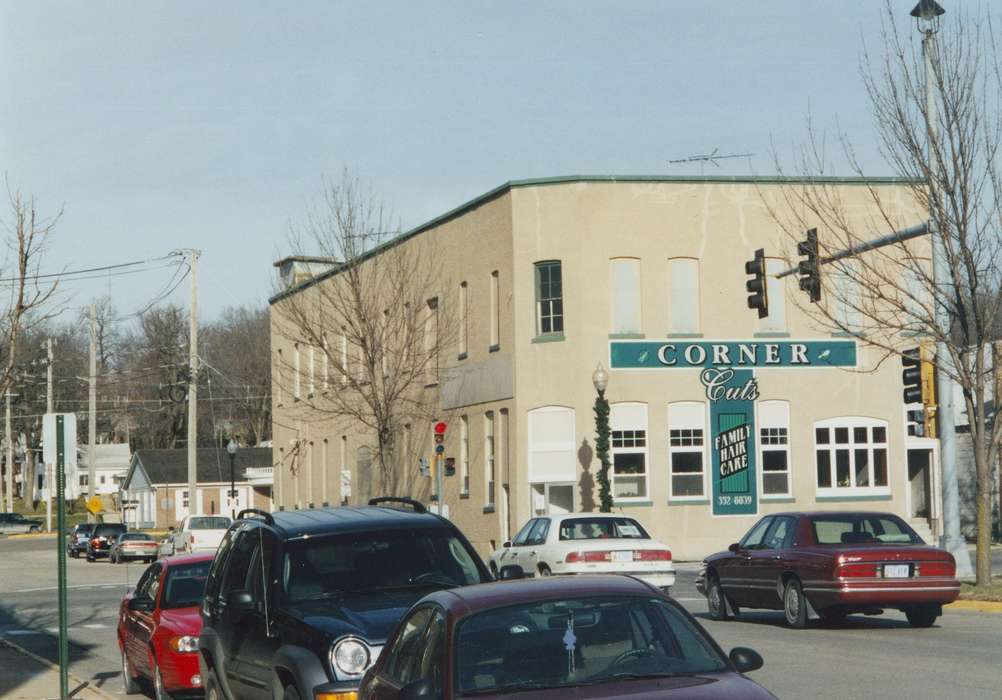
x=364, y=340
x=948, y=151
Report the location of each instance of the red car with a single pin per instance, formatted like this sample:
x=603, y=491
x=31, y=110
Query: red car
x=835, y=563
x=561, y=637
x=159, y=624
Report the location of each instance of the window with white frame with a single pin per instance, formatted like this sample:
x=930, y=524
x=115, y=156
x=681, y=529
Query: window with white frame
x=464, y=455
x=344, y=356
x=916, y=303
x=489, y=457
x=775, y=322
x=431, y=342
x=846, y=296
x=625, y=287
x=310, y=375
x=552, y=445
x=628, y=476
x=686, y=450
x=851, y=456
x=327, y=366
x=774, y=447
x=295, y=372
x=495, y=310
x=683, y=274
x=464, y=320
x=549, y=298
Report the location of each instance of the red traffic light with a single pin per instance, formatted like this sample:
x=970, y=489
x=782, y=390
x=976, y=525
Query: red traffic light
x=439, y=428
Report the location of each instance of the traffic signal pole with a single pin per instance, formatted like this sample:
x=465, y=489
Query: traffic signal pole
x=64, y=652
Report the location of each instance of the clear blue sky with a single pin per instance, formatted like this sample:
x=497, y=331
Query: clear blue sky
x=161, y=125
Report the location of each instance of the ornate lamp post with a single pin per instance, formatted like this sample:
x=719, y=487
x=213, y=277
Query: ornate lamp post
x=231, y=449
x=600, y=379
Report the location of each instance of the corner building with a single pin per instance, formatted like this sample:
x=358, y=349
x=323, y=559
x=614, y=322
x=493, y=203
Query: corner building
x=717, y=417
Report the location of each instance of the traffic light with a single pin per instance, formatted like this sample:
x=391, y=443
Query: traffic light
x=911, y=375
x=919, y=379
x=758, y=293
x=810, y=272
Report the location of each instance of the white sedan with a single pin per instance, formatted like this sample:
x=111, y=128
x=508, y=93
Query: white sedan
x=587, y=543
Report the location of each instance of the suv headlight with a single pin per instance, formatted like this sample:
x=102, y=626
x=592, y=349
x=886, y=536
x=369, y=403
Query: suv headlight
x=350, y=657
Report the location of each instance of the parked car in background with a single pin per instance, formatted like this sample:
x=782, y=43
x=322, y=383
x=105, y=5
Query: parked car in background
x=77, y=539
x=589, y=543
x=589, y=637
x=298, y=604
x=16, y=523
x=200, y=533
x=101, y=539
x=133, y=545
x=838, y=563
x=158, y=627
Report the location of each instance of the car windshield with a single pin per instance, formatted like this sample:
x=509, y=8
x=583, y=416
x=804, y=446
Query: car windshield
x=217, y=523
x=579, y=641
x=602, y=528
x=185, y=585
x=862, y=528
x=135, y=536
x=110, y=531
x=321, y=567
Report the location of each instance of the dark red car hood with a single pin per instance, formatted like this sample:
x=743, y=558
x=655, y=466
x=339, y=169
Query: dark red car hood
x=181, y=621
x=721, y=685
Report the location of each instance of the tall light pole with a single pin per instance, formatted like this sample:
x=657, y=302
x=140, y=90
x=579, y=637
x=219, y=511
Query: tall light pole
x=231, y=449
x=927, y=14
x=600, y=380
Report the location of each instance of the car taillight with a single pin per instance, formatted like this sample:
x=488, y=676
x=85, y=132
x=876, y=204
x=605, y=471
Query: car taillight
x=95, y=541
x=856, y=570
x=652, y=555
x=935, y=568
x=575, y=557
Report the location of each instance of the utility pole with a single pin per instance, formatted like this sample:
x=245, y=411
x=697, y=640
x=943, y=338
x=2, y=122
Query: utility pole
x=10, y=456
x=193, y=385
x=92, y=409
x=49, y=401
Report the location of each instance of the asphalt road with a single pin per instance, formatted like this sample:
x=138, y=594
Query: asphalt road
x=873, y=657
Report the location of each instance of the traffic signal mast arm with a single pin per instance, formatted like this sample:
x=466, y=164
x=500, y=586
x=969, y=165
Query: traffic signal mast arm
x=896, y=237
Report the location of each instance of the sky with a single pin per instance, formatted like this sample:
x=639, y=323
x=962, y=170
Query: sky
x=156, y=126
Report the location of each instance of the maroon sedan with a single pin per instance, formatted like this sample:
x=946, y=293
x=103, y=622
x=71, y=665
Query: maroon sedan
x=837, y=563
x=574, y=637
x=159, y=624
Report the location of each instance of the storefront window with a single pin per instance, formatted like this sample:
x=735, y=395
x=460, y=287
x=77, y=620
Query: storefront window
x=851, y=456
x=629, y=450
x=774, y=442
x=686, y=450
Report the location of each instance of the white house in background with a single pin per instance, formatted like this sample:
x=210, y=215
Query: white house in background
x=111, y=464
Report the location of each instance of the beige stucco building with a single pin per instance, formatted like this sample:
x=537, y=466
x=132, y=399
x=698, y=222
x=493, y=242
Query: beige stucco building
x=645, y=276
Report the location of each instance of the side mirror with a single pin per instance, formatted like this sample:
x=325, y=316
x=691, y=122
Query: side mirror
x=511, y=572
x=141, y=604
x=745, y=659
x=239, y=602
x=735, y=548
x=422, y=688
x=507, y=544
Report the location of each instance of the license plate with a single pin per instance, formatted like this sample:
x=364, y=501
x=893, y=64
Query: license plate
x=897, y=570
x=622, y=556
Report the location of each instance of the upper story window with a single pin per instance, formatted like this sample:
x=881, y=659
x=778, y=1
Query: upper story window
x=489, y=455
x=464, y=455
x=431, y=341
x=549, y=298
x=311, y=374
x=775, y=322
x=464, y=319
x=629, y=450
x=686, y=450
x=296, y=369
x=851, y=456
x=625, y=288
x=683, y=301
x=495, y=311
x=774, y=444
x=917, y=309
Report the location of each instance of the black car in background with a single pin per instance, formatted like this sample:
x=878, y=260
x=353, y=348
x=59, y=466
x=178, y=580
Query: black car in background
x=77, y=539
x=300, y=603
x=14, y=523
x=102, y=538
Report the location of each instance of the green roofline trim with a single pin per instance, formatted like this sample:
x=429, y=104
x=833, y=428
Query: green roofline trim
x=567, y=179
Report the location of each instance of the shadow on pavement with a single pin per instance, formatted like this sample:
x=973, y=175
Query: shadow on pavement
x=770, y=618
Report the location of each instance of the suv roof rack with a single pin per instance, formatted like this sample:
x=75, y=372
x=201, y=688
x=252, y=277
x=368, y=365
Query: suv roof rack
x=265, y=515
x=416, y=505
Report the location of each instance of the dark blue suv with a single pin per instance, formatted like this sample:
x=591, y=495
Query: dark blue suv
x=299, y=603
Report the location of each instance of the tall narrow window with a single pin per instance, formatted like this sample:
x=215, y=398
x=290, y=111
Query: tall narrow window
x=684, y=301
x=344, y=473
x=774, y=442
x=629, y=451
x=464, y=455
x=384, y=346
x=495, y=311
x=295, y=373
x=625, y=295
x=549, y=298
x=279, y=376
x=327, y=366
x=431, y=342
x=344, y=357
x=775, y=322
x=324, y=470
x=686, y=458
x=464, y=320
x=489, y=457
x=311, y=375
x=845, y=290
x=916, y=306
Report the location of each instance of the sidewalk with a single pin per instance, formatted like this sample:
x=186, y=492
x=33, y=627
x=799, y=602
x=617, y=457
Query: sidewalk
x=24, y=676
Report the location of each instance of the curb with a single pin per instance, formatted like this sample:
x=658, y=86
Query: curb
x=989, y=606
x=55, y=667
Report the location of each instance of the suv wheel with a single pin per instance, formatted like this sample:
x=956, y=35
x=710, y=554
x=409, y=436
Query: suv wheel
x=90, y=557
x=159, y=692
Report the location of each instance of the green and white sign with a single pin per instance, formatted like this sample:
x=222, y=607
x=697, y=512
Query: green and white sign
x=727, y=372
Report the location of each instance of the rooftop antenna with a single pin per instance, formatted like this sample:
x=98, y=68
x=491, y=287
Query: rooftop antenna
x=710, y=157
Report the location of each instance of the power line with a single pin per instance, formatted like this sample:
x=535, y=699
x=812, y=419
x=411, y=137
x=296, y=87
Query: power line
x=67, y=273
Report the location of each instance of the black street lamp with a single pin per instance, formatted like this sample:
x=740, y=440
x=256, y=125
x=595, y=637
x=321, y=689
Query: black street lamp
x=600, y=379
x=231, y=449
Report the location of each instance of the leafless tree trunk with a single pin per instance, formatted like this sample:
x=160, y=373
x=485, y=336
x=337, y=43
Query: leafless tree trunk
x=888, y=297
x=365, y=342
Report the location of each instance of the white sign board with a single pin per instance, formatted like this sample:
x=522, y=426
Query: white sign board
x=69, y=437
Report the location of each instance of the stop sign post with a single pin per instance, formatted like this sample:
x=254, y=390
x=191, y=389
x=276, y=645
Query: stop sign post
x=439, y=429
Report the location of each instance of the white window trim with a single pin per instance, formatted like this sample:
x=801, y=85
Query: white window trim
x=673, y=326
x=490, y=456
x=464, y=318
x=613, y=299
x=850, y=422
x=326, y=369
x=613, y=451
x=464, y=455
x=295, y=373
x=495, y=318
x=311, y=375
x=761, y=425
x=705, y=496
x=344, y=357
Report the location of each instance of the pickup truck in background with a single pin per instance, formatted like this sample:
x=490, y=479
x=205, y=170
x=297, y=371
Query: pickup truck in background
x=199, y=533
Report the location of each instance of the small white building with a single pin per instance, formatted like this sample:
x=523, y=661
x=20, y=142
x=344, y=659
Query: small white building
x=111, y=464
